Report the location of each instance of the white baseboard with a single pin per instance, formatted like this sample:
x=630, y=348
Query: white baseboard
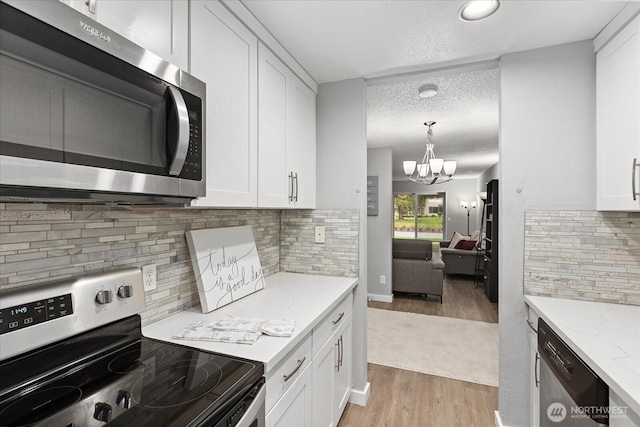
x=380, y=298
x=360, y=397
x=499, y=420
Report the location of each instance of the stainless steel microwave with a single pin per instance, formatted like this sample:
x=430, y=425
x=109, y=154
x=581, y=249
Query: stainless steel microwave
x=87, y=115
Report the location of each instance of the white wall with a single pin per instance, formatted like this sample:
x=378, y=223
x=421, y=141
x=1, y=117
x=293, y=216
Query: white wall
x=380, y=227
x=547, y=161
x=341, y=160
x=456, y=191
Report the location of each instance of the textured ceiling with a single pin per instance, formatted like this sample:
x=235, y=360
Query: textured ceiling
x=342, y=39
x=465, y=111
x=335, y=40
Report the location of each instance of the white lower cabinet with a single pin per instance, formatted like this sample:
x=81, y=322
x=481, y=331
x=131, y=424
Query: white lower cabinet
x=342, y=390
x=332, y=376
x=534, y=389
x=311, y=385
x=294, y=407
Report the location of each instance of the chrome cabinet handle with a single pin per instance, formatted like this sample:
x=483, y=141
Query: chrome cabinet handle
x=337, y=344
x=341, y=350
x=291, y=186
x=300, y=363
x=182, y=124
x=296, y=178
x=535, y=365
x=335, y=322
x=633, y=178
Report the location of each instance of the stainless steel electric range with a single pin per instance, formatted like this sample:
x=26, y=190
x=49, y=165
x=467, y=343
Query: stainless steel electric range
x=72, y=354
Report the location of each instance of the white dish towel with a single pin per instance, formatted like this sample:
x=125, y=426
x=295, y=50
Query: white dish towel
x=237, y=330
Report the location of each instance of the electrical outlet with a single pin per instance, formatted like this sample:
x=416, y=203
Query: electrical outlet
x=383, y=280
x=319, y=234
x=149, y=277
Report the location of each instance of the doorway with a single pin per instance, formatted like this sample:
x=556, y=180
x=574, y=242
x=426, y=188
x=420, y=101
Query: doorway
x=419, y=216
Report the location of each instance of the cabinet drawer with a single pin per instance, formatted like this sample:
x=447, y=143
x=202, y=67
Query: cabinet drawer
x=332, y=323
x=286, y=372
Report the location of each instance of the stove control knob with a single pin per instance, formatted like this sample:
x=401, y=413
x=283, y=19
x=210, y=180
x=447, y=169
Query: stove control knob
x=124, y=399
x=125, y=291
x=104, y=297
x=102, y=412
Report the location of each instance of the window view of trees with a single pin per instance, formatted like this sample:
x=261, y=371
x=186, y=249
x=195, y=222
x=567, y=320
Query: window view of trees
x=418, y=216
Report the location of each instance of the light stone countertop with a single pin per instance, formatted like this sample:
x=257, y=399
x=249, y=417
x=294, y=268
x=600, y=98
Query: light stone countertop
x=605, y=336
x=305, y=298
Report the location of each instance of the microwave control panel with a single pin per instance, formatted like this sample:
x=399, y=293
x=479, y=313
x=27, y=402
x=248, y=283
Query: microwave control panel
x=192, y=168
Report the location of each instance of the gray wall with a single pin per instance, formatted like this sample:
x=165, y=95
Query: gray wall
x=547, y=161
x=456, y=191
x=380, y=227
x=341, y=161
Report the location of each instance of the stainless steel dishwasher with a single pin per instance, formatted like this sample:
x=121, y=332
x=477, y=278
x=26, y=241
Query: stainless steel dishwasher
x=571, y=394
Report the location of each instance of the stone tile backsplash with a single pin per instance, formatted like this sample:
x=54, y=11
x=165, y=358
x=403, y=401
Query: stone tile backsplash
x=338, y=256
x=586, y=255
x=45, y=242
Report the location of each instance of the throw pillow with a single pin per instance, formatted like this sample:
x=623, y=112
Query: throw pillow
x=466, y=244
x=456, y=238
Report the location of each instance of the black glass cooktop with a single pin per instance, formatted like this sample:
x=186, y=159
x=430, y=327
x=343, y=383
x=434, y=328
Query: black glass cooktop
x=114, y=376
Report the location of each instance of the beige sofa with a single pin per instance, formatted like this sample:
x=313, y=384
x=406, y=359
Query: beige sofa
x=414, y=270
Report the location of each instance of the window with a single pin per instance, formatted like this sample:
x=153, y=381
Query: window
x=418, y=216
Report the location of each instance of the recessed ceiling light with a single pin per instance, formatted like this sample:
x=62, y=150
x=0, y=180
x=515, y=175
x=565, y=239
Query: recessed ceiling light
x=476, y=10
x=428, y=90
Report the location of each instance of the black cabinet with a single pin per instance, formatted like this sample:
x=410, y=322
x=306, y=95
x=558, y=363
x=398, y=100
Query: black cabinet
x=491, y=252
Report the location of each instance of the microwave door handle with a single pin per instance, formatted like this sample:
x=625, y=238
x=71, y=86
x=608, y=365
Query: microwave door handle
x=182, y=122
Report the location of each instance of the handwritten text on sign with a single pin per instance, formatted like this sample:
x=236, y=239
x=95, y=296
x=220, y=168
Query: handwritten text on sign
x=226, y=265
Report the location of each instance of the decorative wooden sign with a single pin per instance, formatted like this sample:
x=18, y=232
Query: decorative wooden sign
x=226, y=265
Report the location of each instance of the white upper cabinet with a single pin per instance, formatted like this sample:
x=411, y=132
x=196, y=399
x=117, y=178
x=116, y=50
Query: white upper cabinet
x=224, y=54
x=301, y=142
x=618, y=121
x=160, y=26
x=286, y=136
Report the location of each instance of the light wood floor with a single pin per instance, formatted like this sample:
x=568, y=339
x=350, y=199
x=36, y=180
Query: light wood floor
x=461, y=299
x=402, y=398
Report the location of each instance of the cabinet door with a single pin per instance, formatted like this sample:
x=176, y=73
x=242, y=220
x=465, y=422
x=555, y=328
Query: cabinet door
x=342, y=387
x=294, y=407
x=618, y=109
x=224, y=55
x=79, y=5
x=324, y=367
x=275, y=184
x=301, y=142
x=160, y=26
x=534, y=390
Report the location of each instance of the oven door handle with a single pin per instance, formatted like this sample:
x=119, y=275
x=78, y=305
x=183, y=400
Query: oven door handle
x=182, y=124
x=253, y=411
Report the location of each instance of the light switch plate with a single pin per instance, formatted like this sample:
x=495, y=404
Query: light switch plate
x=319, y=233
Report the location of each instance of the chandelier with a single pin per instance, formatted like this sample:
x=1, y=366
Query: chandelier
x=441, y=170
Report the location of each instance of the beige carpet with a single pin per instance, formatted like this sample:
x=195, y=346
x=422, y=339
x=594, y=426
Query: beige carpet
x=455, y=348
